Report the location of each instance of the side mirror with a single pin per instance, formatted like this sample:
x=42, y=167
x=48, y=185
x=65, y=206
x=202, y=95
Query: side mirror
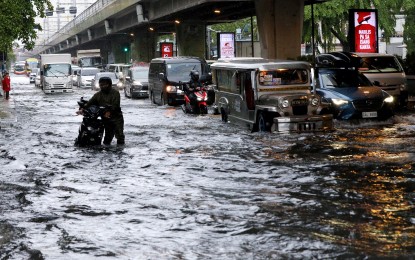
x=376, y=83
x=75, y=73
x=41, y=73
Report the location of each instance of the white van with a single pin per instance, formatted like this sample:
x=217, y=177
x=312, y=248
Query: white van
x=385, y=71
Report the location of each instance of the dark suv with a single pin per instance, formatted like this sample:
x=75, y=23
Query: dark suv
x=165, y=74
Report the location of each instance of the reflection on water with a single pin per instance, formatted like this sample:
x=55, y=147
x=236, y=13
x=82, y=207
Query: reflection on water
x=188, y=187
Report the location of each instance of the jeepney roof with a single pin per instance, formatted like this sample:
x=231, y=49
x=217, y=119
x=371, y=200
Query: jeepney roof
x=258, y=63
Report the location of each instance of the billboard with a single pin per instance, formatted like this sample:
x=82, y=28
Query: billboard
x=166, y=49
x=363, y=30
x=226, y=45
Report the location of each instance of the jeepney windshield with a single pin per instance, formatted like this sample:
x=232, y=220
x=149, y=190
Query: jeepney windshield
x=283, y=77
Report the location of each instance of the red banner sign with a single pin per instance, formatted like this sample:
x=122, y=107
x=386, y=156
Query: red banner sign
x=166, y=49
x=363, y=30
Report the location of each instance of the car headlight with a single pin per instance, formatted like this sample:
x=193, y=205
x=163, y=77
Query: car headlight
x=119, y=84
x=315, y=101
x=389, y=99
x=97, y=85
x=285, y=103
x=339, y=102
x=171, y=88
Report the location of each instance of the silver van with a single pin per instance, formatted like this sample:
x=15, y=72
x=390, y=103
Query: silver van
x=385, y=71
x=165, y=75
x=268, y=95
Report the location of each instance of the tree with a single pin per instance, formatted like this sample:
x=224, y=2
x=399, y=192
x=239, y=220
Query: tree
x=331, y=19
x=17, y=21
x=409, y=27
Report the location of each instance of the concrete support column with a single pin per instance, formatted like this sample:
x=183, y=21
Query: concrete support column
x=191, y=40
x=142, y=49
x=280, y=27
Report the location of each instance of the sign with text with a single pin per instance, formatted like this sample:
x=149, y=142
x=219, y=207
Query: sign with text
x=166, y=49
x=363, y=30
x=226, y=45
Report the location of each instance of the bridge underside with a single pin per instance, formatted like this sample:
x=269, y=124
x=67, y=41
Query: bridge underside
x=279, y=23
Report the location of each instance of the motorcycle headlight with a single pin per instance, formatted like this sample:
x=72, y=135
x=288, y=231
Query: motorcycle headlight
x=388, y=99
x=314, y=101
x=339, y=101
x=285, y=103
x=199, y=99
x=119, y=84
x=97, y=85
x=170, y=88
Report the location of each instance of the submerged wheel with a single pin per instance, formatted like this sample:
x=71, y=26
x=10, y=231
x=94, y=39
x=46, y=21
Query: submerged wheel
x=203, y=110
x=224, y=115
x=264, y=122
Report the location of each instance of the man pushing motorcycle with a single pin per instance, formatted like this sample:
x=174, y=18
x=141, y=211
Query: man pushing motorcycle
x=113, y=120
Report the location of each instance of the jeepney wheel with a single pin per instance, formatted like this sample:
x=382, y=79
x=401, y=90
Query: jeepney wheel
x=224, y=115
x=264, y=122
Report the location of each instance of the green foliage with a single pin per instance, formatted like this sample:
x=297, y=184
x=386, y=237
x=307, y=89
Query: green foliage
x=331, y=19
x=243, y=24
x=17, y=20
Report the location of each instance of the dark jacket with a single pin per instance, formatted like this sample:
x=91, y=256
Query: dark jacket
x=112, y=99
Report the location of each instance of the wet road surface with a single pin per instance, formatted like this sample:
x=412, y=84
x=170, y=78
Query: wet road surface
x=191, y=187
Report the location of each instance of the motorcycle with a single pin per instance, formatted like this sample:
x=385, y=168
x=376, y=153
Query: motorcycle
x=91, y=129
x=199, y=103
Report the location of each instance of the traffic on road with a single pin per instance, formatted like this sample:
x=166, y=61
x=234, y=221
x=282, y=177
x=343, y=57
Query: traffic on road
x=190, y=186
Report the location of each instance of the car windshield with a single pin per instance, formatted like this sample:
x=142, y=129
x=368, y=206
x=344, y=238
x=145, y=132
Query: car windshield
x=140, y=74
x=181, y=71
x=89, y=72
x=380, y=64
x=342, y=78
x=283, y=77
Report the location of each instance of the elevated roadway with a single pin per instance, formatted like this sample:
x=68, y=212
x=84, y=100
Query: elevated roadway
x=110, y=24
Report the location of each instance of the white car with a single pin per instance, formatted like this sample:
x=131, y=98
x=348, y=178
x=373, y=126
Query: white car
x=32, y=75
x=116, y=83
x=85, y=76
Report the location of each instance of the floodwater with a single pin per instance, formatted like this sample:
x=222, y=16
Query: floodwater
x=192, y=187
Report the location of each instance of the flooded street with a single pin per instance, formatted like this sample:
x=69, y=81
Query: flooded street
x=192, y=187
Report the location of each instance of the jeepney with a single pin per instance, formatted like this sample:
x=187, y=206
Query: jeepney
x=268, y=95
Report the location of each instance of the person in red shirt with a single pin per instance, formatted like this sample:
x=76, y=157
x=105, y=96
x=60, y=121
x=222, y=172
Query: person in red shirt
x=6, y=84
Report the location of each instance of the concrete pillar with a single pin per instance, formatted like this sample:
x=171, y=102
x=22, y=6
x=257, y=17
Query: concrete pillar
x=142, y=49
x=191, y=40
x=280, y=27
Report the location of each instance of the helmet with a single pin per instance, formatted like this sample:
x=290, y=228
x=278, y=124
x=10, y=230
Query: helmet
x=194, y=75
x=105, y=80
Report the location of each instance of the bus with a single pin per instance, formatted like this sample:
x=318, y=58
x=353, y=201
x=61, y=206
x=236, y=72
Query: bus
x=31, y=63
x=20, y=68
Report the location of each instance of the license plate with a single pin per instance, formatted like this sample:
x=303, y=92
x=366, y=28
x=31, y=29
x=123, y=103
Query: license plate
x=369, y=114
x=299, y=102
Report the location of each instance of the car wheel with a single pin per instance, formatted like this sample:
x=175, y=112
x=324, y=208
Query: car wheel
x=224, y=115
x=264, y=122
